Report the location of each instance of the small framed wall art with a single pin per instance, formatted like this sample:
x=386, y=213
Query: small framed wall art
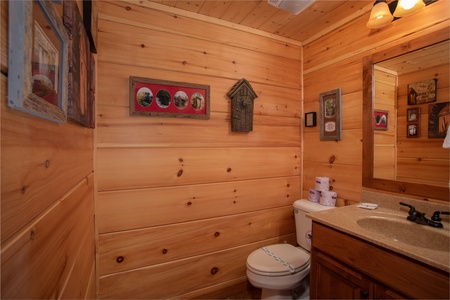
x=310, y=119
x=38, y=60
x=422, y=92
x=413, y=114
x=330, y=116
x=380, y=119
x=413, y=130
x=438, y=119
x=162, y=98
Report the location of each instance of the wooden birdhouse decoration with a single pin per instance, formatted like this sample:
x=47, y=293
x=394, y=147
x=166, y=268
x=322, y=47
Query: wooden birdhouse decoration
x=242, y=97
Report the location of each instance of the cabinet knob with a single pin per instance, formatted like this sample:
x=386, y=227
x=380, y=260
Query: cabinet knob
x=364, y=294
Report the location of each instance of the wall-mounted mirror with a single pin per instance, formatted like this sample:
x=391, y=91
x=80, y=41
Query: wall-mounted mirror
x=405, y=115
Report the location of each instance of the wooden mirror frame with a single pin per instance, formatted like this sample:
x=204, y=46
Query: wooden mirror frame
x=368, y=181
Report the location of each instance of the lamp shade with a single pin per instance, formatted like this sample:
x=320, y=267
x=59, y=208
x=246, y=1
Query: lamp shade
x=408, y=7
x=380, y=15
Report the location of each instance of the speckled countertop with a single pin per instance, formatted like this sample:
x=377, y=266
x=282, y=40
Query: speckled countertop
x=423, y=243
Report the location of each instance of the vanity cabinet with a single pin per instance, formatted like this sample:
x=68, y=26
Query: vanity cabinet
x=346, y=267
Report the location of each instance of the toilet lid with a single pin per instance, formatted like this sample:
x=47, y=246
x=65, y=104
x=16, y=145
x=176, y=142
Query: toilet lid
x=278, y=260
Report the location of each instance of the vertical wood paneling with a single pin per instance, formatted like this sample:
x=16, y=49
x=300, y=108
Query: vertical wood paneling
x=178, y=197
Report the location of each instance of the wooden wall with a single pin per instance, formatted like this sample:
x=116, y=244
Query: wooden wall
x=385, y=145
x=47, y=202
x=335, y=61
x=182, y=202
x=416, y=163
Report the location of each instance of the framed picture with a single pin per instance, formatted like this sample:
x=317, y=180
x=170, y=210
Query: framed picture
x=310, y=119
x=162, y=98
x=330, y=116
x=79, y=104
x=38, y=60
x=413, y=130
x=438, y=119
x=422, y=92
x=90, y=22
x=380, y=119
x=413, y=114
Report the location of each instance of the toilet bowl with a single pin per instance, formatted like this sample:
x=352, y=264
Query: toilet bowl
x=277, y=269
x=282, y=270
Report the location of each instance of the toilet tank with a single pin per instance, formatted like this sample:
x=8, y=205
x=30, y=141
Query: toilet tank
x=303, y=224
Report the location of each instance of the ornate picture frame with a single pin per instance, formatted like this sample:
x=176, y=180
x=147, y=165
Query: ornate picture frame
x=330, y=115
x=38, y=60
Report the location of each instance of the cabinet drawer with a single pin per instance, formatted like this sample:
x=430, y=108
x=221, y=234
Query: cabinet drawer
x=404, y=275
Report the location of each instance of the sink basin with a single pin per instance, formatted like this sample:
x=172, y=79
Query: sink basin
x=408, y=232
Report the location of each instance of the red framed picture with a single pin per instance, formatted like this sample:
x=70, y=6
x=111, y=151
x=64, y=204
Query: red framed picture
x=380, y=119
x=162, y=98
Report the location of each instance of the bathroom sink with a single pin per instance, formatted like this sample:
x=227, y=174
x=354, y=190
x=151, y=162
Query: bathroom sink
x=403, y=231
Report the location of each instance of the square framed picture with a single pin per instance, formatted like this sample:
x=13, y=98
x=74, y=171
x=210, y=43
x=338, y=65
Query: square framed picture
x=380, y=119
x=413, y=130
x=413, y=114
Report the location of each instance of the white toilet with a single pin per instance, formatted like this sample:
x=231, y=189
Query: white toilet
x=282, y=270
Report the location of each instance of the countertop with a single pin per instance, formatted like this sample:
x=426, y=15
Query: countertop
x=345, y=219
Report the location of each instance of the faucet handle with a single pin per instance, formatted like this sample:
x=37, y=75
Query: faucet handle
x=436, y=216
x=412, y=209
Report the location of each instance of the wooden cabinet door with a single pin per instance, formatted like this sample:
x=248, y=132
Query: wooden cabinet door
x=332, y=280
x=382, y=292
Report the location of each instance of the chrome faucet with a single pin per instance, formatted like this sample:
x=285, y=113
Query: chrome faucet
x=419, y=218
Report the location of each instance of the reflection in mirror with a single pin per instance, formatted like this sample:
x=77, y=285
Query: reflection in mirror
x=402, y=149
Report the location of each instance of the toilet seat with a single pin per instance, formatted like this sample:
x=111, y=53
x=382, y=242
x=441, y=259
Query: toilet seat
x=278, y=260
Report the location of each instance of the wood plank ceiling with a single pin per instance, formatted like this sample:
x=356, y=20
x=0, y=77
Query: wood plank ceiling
x=317, y=19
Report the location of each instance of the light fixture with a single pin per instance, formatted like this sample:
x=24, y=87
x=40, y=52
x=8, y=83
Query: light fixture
x=380, y=15
x=408, y=7
x=292, y=6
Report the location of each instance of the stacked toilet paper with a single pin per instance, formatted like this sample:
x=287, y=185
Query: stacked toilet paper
x=314, y=195
x=321, y=193
x=328, y=198
x=322, y=183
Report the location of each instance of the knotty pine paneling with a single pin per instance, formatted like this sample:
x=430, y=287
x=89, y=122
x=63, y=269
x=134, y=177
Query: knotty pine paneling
x=160, y=244
x=134, y=167
x=354, y=38
x=136, y=12
x=141, y=208
x=269, y=101
x=335, y=61
x=46, y=251
x=428, y=165
x=47, y=202
x=83, y=274
x=191, y=55
x=206, y=195
x=385, y=87
x=182, y=276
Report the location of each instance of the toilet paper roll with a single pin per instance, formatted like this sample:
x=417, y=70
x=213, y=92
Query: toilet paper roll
x=322, y=183
x=328, y=198
x=314, y=195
